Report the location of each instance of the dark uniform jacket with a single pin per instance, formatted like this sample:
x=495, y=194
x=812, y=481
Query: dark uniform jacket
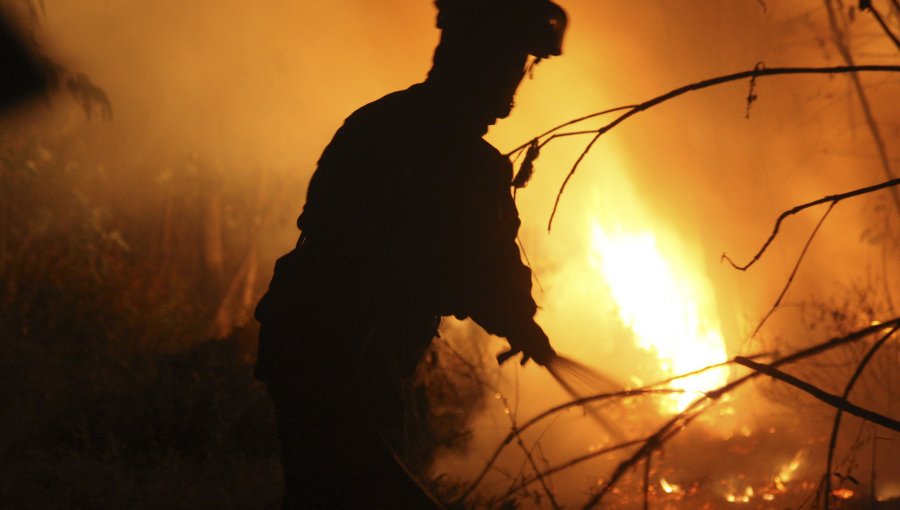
x=409, y=216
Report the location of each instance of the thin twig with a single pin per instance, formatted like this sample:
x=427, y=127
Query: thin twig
x=829, y=398
x=530, y=266
x=888, y=295
x=832, y=443
x=569, y=176
x=633, y=110
x=579, y=460
x=569, y=123
x=516, y=485
x=711, y=367
x=795, y=210
x=652, y=444
x=886, y=28
x=574, y=403
x=536, y=469
x=790, y=279
x=651, y=389
x=874, y=130
x=647, y=482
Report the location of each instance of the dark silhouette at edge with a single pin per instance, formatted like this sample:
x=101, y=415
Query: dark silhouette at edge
x=22, y=72
x=409, y=217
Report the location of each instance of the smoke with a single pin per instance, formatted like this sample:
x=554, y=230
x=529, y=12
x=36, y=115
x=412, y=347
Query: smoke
x=263, y=85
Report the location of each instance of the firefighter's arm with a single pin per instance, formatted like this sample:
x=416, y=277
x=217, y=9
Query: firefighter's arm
x=532, y=342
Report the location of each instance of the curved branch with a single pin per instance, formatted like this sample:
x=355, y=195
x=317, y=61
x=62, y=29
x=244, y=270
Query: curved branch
x=839, y=39
x=790, y=212
x=887, y=31
x=829, y=398
x=832, y=443
x=711, y=82
x=569, y=123
x=790, y=279
x=574, y=403
x=578, y=460
x=647, y=390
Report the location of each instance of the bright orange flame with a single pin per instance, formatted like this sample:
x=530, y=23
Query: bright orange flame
x=843, y=493
x=741, y=497
x=670, y=488
x=664, y=303
x=786, y=472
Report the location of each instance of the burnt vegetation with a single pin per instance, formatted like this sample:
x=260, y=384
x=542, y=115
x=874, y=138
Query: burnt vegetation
x=128, y=342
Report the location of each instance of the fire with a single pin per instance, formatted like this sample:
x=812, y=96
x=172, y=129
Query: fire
x=670, y=488
x=741, y=497
x=843, y=493
x=667, y=305
x=786, y=472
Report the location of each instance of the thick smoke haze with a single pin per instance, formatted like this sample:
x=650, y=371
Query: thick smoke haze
x=258, y=87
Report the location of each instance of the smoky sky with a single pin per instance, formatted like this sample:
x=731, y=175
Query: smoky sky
x=266, y=83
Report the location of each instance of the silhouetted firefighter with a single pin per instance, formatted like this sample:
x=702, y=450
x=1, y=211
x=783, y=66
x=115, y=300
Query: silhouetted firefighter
x=409, y=217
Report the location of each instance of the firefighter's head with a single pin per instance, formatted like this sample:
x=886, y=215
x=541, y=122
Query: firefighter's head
x=486, y=45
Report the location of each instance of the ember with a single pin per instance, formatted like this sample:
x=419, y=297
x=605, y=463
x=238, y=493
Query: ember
x=843, y=493
x=670, y=488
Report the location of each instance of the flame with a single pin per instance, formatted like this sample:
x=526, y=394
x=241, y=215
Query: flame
x=666, y=305
x=786, y=472
x=741, y=497
x=670, y=488
x=843, y=493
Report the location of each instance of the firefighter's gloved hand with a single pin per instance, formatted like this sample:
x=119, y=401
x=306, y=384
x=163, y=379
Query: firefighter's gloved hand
x=533, y=344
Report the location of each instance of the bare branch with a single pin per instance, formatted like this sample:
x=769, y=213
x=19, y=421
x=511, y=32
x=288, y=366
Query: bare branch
x=575, y=403
x=580, y=459
x=675, y=424
x=652, y=444
x=874, y=130
x=790, y=279
x=569, y=123
x=753, y=73
x=652, y=389
x=711, y=367
x=647, y=481
x=795, y=210
x=751, y=92
x=535, y=467
x=824, y=396
x=569, y=176
x=884, y=26
x=832, y=443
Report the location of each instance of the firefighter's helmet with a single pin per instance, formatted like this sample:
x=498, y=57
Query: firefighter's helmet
x=535, y=26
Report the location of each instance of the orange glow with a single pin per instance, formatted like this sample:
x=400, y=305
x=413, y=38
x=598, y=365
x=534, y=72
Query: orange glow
x=741, y=497
x=786, y=473
x=670, y=488
x=843, y=493
x=658, y=296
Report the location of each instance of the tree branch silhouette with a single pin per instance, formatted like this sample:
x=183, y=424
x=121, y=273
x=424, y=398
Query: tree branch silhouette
x=633, y=110
x=795, y=210
x=829, y=398
x=653, y=389
x=887, y=30
x=790, y=279
x=832, y=442
x=840, y=43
